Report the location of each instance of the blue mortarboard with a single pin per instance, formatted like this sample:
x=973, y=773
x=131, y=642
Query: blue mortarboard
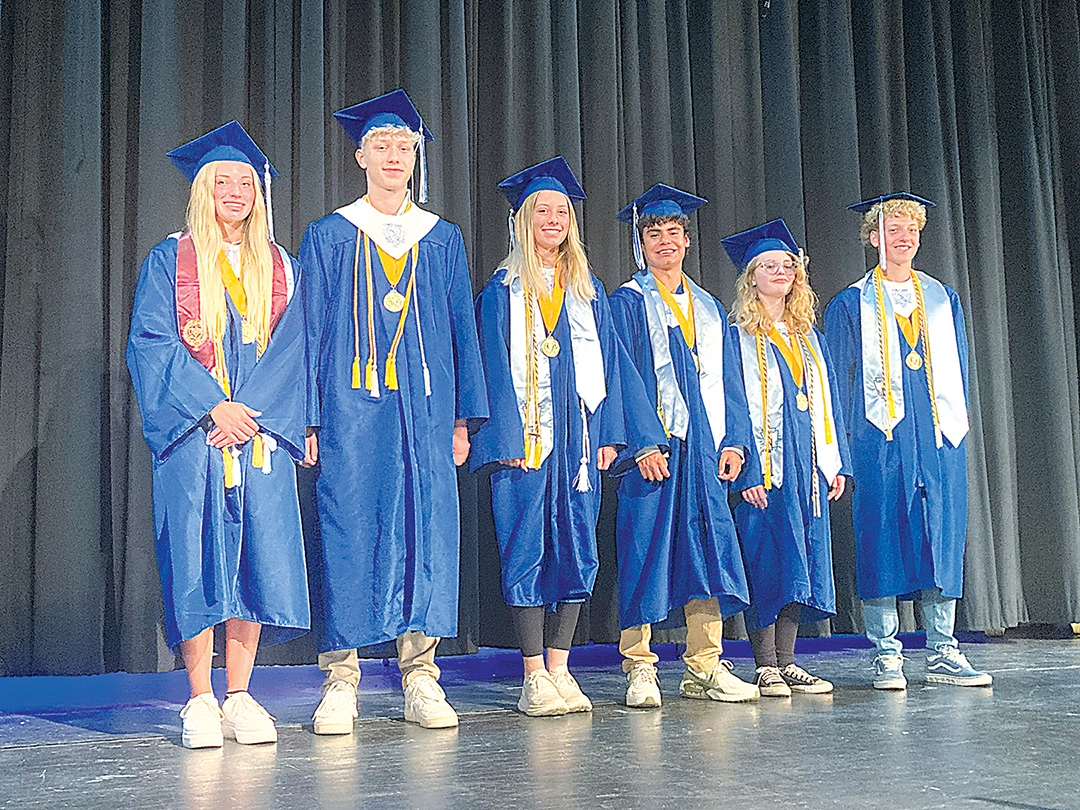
x=228, y=142
x=866, y=205
x=552, y=175
x=661, y=201
x=744, y=247
x=389, y=110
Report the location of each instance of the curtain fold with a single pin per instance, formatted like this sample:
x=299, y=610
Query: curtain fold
x=789, y=108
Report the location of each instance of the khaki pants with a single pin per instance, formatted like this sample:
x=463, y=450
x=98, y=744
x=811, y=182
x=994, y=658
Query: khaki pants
x=704, y=638
x=416, y=657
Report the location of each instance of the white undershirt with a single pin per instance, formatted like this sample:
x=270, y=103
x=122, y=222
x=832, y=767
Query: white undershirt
x=903, y=298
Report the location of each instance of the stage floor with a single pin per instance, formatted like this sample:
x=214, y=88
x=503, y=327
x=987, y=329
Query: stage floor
x=113, y=741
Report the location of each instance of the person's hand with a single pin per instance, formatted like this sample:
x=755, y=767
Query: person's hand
x=518, y=463
x=730, y=464
x=605, y=457
x=654, y=467
x=234, y=423
x=461, y=442
x=311, y=449
x=755, y=496
x=837, y=488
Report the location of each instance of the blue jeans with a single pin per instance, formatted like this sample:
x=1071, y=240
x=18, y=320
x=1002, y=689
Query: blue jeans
x=882, y=622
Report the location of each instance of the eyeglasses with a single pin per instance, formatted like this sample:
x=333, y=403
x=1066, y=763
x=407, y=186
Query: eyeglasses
x=778, y=268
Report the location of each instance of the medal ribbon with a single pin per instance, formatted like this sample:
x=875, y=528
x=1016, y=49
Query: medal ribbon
x=911, y=326
x=233, y=285
x=391, y=357
x=551, y=305
x=791, y=355
x=686, y=322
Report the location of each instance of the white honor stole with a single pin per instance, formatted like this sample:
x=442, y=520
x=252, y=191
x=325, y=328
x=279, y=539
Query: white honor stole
x=588, y=368
x=882, y=359
x=395, y=234
x=709, y=335
x=819, y=394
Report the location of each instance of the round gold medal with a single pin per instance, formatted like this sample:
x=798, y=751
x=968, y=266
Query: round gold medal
x=394, y=301
x=194, y=333
x=549, y=346
x=914, y=361
x=801, y=401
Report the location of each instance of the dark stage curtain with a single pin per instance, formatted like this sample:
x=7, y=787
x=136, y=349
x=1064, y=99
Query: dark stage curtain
x=775, y=108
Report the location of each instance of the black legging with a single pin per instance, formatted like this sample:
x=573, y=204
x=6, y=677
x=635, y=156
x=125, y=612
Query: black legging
x=537, y=627
x=774, y=646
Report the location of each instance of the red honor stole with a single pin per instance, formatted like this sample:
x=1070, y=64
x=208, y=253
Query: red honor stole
x=192, y=332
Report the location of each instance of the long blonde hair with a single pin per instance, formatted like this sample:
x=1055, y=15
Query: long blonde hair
x=524, y=261
x=799, y=303
x=256, y=271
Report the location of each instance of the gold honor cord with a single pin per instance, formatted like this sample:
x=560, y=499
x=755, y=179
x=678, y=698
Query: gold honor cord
x=533, y=449
x=802, y=344
x=763, y=372
x=883, y=349
x=925, y=333
x=686, y=322
x=808, y=349
x=356, y=312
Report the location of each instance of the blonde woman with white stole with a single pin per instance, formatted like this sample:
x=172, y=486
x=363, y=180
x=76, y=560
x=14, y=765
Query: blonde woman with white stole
x=800, y=445
x=551, y=361
x=216, y=354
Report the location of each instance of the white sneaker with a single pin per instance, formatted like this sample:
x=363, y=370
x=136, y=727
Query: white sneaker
x=246, y=721
x=337, y=709
x=721, y=684
x=569, y=691
x=202, y=722
x=540, y=696
x=425, y=704
x=889, y=672
x=642, y=687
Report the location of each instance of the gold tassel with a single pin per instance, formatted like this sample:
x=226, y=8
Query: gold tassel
x=369, y=374
x=356, y=372
x=391, y=374
x=257, y=451
x=230, y=475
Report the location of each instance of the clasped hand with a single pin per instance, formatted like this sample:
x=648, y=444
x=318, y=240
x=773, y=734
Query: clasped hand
x=234, y=423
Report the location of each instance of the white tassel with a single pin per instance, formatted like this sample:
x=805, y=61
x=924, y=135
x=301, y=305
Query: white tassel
x=881, y=236
x=269, y=446
x=423, y=168
x=639, y=255
x=510, y=227
x=581, y=481
x=269, y=201
x=236, y=465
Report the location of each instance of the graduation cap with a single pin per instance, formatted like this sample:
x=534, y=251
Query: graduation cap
x=551, y=175
x=744, y=247
x=865, y=206
x=392, y=109
x=660, y=201
x=227, y=142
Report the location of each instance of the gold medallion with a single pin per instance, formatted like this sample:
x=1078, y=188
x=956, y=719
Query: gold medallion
x=549, y=346
x=247, y=332
x=914, y=361
x=194, y=333
x=394, y=301
x=801, y=401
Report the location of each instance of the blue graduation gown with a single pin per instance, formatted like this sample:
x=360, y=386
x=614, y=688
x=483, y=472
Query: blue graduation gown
x=235, y=553
x=788, y=551
x=545, y=528
x=909, y=504
x=387, y=484
x=675, y=539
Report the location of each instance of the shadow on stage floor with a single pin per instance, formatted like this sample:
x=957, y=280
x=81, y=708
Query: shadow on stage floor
x=112, y=741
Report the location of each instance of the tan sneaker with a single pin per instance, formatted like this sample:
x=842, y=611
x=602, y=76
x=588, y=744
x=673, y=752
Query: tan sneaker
x=337, y=709
x=426, y=705
x=246, y=721
x=771, y=683
x=540, y=696
x=642, y=687
x=202, y=722
x=720, y=684
x=570, y=692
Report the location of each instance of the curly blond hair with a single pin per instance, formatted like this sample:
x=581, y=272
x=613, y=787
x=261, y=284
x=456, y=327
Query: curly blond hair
x=799, y=304
x=891, y=208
